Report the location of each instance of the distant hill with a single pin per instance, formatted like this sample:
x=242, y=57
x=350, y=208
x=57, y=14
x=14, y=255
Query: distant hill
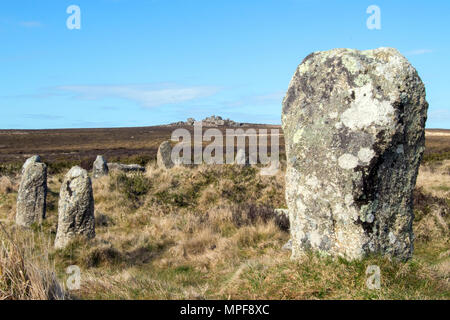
x=136, y=144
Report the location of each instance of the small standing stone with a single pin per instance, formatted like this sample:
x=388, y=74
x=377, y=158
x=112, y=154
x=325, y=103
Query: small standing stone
x=32, y=195
x=125, y=167
x=164, y=156
x=75, y=208
x=100, y=167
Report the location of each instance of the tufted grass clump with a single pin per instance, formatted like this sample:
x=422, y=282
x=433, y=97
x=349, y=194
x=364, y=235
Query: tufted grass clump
x=25, y=274
x=210, y=232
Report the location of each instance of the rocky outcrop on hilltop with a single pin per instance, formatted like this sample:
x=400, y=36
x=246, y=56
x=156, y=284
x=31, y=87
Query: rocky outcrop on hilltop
x=212, y=121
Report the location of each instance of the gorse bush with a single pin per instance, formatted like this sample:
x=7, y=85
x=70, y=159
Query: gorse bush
x=435, y=157
x=61, y=166
x=133, y=186
x=10, y=169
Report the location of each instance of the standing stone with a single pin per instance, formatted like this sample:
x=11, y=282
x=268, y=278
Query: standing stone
x=125, y=167
x=100, y=167
x=32, y=195
x=163, y=157
x=75, y=208
x=30, y=160
x=354, y=128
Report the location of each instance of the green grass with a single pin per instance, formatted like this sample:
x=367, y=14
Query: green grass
x=441, y=188
x=435, y=157
x=166, y=239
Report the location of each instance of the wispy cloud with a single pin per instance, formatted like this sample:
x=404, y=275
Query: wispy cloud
x=42, y=116
x=148, y=96
x=440, y=113
x=273, y=98
x=30, y=24
x=438, y=118
x=418, y=52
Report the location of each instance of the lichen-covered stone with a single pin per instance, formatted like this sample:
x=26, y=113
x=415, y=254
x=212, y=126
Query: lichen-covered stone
x=75, y=208
x=125, y=167
x=164, y=156
x=100, y=167
x=354, y=130
x=32, y=194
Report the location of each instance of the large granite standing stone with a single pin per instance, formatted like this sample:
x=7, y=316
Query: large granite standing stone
x=164, y=156
x=32, y=194
x=100, y=167
x=75, y=208
x=354, y=128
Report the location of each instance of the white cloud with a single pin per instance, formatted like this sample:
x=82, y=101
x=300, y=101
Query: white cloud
x=419, y=52
x=273, y=98
x=42, y=116
x=438, y=118
x=439, y=113
x=145, y=95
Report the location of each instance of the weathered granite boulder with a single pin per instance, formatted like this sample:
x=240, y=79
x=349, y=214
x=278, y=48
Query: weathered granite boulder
x=100, y=167
x=354, y=131
x=32, y=194
x=75, y=208
x=125, y=167
x=164, y=156
x=30, y=160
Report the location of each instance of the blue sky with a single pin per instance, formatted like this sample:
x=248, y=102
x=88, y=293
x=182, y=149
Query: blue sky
x=138, y=63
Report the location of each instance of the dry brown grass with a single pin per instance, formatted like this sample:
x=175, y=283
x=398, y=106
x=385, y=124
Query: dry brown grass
x=6, y=185
x=209, y=233
x=434, y=178
x=8, y=195
x=24, y=273
x=190, y=238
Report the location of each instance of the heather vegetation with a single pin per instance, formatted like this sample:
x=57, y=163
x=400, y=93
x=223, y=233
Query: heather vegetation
x=209, y=232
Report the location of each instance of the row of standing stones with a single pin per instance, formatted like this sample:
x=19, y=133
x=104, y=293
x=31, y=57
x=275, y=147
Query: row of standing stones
x=75, y=205
x=76, y=201
x=354, y=126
